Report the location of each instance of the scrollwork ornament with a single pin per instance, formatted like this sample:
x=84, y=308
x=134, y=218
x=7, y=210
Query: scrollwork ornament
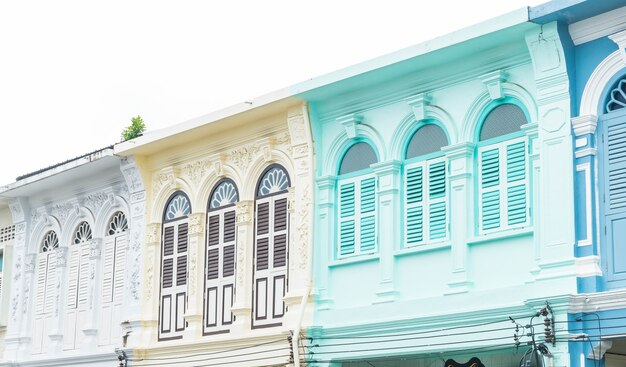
x=29, y=263
x=61, y=253
x=95, y=249
x=244, y=212
x=152, y=233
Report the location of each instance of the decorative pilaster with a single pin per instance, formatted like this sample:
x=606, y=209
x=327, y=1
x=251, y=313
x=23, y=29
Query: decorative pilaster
x=150, y=288
x=90, y=328
x=193, y=315
x=242, y=307
x=556, y=205
x=388, y=178
x=460, y=158
x=56, y=321
x=532, y=134
x=325, y=225
x=135, y=265
x=300, y=212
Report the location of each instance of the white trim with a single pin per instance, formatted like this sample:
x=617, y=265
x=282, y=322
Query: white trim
x=601, y=301
x=620, y=40
x=582, y=142
x=584, y=125
x=598, y=26
x=586, y=168
x=597, y=81
x=588, y=266
x=586, y=152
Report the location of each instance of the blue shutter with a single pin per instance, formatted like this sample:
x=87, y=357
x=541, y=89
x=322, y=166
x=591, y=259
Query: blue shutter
x=615, y=163
x=414, y=214
x=516, y=175
x=437, y=210
x=368, y=215
x=346, y=219
x=490, y=178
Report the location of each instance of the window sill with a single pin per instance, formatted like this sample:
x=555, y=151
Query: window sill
x=357, y=259
x=496, y=236
x=418, y=249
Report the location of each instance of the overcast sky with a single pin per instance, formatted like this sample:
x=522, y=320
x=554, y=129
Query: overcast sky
x=73, y=73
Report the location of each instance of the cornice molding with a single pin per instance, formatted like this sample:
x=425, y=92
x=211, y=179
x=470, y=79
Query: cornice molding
x=598, y=26
x=584, y=125
x=601, y=301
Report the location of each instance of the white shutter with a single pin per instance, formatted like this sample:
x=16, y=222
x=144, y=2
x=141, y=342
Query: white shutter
x=70, y=320
x=271, y=259
x=108, y=256
x=40, y=300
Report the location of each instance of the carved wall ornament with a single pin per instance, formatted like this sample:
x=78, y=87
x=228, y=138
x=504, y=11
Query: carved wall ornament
x=17, y=212
x=196, y=223
x=418, y=104
x=61, y=254
x=132, y=176
x=152, y=233
x=218, y=168
x=25, y=298
x=297, y=130
x=20, y=228
x=95, y=248
x=29, y=263
x=61, y=211
x=195, y=171
x=349, y=123
x=150, y=273
x=243, y=211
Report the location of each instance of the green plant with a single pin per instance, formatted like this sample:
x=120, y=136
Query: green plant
x=136, y=128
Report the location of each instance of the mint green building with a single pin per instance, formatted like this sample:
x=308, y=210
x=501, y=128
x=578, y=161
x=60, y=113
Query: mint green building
x=444, y=203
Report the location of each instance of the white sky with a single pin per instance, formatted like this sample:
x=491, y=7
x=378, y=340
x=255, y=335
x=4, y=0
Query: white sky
x=73, y=73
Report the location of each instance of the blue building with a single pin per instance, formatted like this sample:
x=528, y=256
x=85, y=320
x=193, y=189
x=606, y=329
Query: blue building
x=594, y=38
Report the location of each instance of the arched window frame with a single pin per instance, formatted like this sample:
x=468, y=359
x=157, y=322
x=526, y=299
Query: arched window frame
x=271, y=252
x=77, y=285
x=357, y=208
x=220, y=256
x=503, y=176
x=46, y=290
x=426, y=194
x=174, y=265
x=112, y=294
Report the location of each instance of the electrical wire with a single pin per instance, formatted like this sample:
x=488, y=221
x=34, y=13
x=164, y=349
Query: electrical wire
x=186, y=360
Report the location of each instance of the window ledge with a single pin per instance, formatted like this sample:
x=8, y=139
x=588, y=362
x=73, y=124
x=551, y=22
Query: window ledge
x=354, y=260
x=423, y=248
x=496, y=236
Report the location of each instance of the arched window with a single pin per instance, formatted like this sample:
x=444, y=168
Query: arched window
x=114, y=247
x=503, y=170
x=174, y=267
x=78, y=278
x=611, y=142
x=425, y=187
x=271, y=247
x=357, y=201
x=45, y=298
x=220, y=258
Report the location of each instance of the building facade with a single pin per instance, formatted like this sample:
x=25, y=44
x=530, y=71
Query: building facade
x=228, y=235
x=437, y=220
x=594, y=35
x=72, y=265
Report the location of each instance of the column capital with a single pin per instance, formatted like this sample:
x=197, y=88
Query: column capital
x=244, y=210
x=196, y=223
x=387, y=168
x=583, y=125
x=459, y=151
x=326, y=182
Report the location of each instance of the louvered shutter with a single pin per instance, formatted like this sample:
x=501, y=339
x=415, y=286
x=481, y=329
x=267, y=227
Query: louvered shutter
x=174, y=280
x=271, y=259
x=503, y=185
x=614, y=198
x=414, y=205
x=346, y=218
x=71, y=315
x=516, y=182
x=51, y=289
x=368, y=215
x=437, y=197
x=490, y=188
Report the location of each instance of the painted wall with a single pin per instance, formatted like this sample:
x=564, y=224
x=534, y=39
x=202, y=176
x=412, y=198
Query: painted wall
x=239, y=148
x=473, y=275
x=64, y=315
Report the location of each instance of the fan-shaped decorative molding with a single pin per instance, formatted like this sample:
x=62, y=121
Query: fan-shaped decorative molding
x=117, y=224
x=224, y=194
x=178, y=207
x=617, y=97
x=50, y=242
x=274, y=180
x=83, y=233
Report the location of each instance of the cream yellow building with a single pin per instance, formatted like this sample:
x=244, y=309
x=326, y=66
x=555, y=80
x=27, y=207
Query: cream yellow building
x=226, y=273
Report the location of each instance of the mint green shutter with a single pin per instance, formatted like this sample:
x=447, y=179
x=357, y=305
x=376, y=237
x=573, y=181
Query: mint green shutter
x=437, y=198
x=368, y=215
x=346, y=218
x=414, y=200
x=516, y=176
x=490, y=191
